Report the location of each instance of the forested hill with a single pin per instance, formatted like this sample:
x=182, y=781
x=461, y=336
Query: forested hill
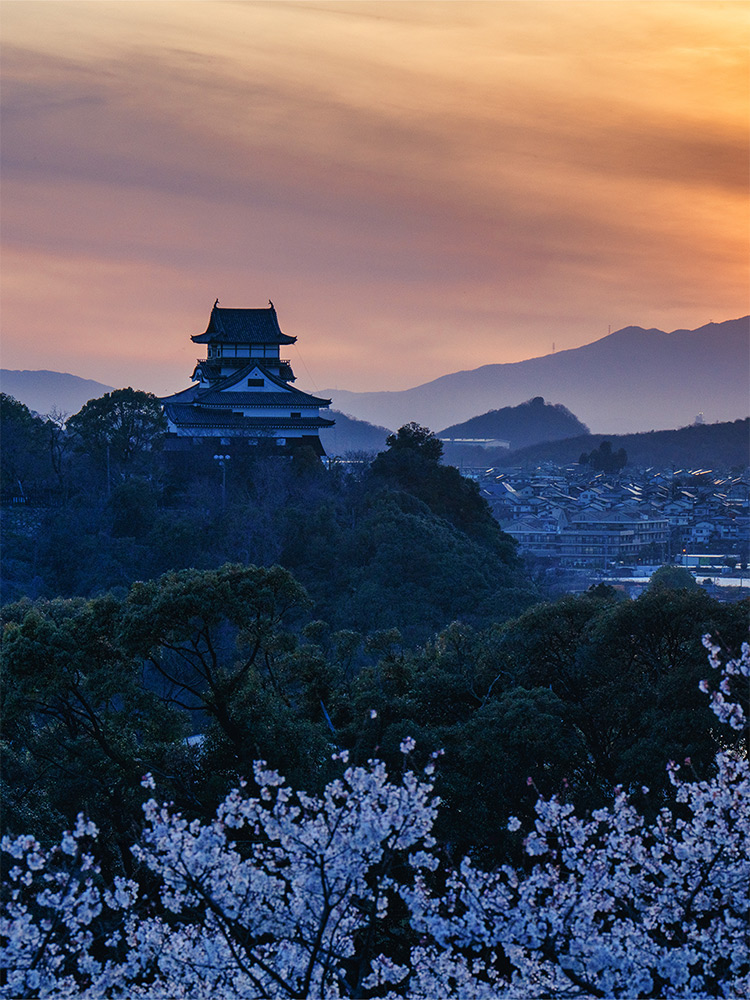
x=402, y=543
x=705, y=445
x=207, y=638
x=529, y=423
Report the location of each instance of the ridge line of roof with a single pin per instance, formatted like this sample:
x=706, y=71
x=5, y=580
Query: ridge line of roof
x=241, y=373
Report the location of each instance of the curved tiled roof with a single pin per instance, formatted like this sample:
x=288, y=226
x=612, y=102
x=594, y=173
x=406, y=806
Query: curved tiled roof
x=214, y=396
x=243, y=326
x=186, y=415
x=238, y=376
x=263, y=399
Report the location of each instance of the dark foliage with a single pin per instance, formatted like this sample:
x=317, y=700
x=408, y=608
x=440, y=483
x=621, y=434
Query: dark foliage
x=320, y=610
x=707, y=446
x=603, y=459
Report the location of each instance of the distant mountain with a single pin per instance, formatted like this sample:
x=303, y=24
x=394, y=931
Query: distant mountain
x=351, y=435
x=529, y=423
x=706, y=446
x=44, y=391
x=631, y=380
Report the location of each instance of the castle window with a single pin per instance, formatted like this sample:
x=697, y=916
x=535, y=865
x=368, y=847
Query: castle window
x=295, y=414
x=255, y=381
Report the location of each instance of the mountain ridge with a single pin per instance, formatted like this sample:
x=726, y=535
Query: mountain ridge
x=634, y=379
x=46, y=390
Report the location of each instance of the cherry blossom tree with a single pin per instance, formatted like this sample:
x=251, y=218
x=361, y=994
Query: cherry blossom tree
x=285, y=894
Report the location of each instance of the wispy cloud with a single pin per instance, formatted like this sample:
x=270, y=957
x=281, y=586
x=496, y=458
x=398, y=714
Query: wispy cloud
x=419, y=186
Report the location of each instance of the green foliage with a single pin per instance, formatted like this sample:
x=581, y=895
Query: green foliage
x=603, y=459
x=316, y=611
x=672, y=578
x=206, y=632
x=77, y=720
x=414, y=437
x=24, y=439
x=128, y=422
x=415, y=470
x=569, y=698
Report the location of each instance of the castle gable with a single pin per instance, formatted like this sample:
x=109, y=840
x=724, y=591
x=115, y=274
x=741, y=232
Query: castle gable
x=256, y=380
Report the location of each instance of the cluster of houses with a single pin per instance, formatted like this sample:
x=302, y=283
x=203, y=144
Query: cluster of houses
x=575, y=518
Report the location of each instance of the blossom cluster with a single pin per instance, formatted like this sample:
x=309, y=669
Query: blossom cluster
x=285, y=894
x=724, y=702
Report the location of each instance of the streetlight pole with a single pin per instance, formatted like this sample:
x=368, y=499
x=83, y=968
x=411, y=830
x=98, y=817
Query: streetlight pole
x=222, y=460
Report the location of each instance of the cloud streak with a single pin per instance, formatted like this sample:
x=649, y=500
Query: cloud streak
x=419, y=187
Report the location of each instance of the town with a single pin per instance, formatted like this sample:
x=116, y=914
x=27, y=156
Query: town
x=586, y=527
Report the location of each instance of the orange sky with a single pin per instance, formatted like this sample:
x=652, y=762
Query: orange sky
x=419, y=187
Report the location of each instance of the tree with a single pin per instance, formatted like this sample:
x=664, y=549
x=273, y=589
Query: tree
x=412, y=465
x=672, y=578
x=128, y=422
x=285, y=894
x=416, y=438
x=78, y=725
x=216, y=644
x=603, y=459
x=25, y=464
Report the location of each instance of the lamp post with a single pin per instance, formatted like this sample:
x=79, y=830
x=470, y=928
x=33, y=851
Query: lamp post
x=222, y=460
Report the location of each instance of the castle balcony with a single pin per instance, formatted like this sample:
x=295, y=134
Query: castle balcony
x=245, y=361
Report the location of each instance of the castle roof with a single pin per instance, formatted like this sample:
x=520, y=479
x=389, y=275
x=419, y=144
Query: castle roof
x=243, y=326
x=186, y=415
x=230, y=391
x=237, y=376
x=262, y=399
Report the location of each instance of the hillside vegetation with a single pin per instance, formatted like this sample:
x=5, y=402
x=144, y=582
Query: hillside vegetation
x=164, y=634
x=722, y=445
x=529, y=423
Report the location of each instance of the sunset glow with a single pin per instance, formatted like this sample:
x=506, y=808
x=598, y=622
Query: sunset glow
x=419, y=187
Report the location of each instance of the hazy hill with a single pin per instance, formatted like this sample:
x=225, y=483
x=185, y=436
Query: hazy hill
x=352, y=435
x=631, y=380
x=44, y=391
x=707, y=446
x=527, y=424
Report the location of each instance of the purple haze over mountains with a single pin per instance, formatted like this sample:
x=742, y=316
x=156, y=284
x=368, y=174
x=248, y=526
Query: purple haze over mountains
x=632, y=380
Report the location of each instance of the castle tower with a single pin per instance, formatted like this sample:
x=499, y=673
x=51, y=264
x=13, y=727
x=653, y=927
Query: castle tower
x=242, y=392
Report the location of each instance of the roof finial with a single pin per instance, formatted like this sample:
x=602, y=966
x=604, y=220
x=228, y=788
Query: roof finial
x=271, y=305
x=216, y=303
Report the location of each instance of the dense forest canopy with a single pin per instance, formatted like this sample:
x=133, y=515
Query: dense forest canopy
x=156, y=625
x=708, y=446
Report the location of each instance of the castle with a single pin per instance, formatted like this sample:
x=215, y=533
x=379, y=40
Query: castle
x=242, y=393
